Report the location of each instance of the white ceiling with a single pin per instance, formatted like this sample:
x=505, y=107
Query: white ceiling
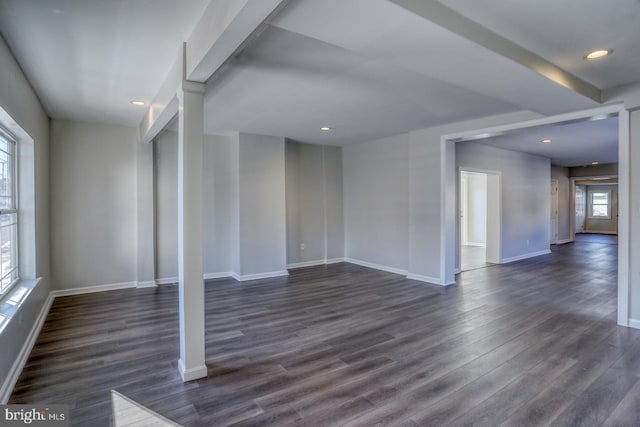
x=572, y=144
x=87, y=59
x=564, y=31
x=367, y=68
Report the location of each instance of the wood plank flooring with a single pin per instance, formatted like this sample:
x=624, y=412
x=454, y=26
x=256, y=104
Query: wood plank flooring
x=527, y=343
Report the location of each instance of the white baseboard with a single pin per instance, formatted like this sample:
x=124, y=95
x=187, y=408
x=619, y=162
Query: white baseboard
x=306, y=264
x=92, y=289
x=148, y=284
x=167, y=281
x=376, y=266
x=16, y=369
x=524, y=256
x=563, y=241
x=258, y=276
x=599, y=232
x=224, y=275
x=634, y=323
x=314, y=263
x=427, y=279
x=191, y=373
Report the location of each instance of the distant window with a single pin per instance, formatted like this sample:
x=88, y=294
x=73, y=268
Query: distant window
x=600, y=204
x=8, y=213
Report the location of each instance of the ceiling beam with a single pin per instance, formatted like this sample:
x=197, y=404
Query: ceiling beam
x=224, y=29
x=457, y=23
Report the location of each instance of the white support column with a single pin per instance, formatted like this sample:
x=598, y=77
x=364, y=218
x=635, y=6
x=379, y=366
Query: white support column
x=190, y=247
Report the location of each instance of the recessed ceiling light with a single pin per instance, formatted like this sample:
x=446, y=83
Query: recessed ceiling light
x=138, y=103
x=599, y=53
x=325, y=129
x=546, y=141
x=595, y=163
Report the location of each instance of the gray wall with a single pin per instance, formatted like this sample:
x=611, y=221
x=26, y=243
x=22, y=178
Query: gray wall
x=376, y=201
x=93, y=204
x=610, y=225
x=607, y=169
x=525, y=195
x=262, y=242
x=220, y=204
x=165, y=153
x=314, y=203
x=19, y=103
x=561, y=174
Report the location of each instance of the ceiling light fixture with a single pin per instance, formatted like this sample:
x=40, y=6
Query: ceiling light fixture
x=325, y=129
x=599, y=53
x=138, y=103
x=595, y=163
x=545, y=141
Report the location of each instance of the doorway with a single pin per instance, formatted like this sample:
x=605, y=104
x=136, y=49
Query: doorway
x=479, y=219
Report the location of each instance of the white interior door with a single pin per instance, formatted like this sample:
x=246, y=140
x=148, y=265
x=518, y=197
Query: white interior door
x=553, y=238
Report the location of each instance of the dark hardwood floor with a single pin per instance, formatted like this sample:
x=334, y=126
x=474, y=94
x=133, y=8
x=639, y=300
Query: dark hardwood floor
x=528, y=343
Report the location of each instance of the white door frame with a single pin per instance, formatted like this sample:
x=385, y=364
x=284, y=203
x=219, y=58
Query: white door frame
x=448, y=198
x=494, y=222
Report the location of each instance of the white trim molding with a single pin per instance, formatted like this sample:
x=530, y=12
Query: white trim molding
x=563, y=241
x=269, y=275
x=524, y=256
x=376, y=266
x=91, y=289
x=192, y=373
x=147, y=284
x=210, y=276
x=427, y=279
x=314, y=263
x=634, y=323
x=16, y=369
x=306, y=264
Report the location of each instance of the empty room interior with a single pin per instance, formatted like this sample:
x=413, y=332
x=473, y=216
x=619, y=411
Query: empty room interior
x=306, y=212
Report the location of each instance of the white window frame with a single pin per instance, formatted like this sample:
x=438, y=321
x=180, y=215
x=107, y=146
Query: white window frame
x=590, y=206
x=13, y=143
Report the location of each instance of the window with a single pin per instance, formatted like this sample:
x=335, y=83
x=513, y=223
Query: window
x=600, y=204
x=8, y=213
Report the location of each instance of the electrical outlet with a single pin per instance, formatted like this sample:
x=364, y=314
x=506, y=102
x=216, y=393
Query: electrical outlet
x=302, y=246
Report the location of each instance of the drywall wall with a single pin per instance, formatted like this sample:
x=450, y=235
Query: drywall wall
x=220, y=204
x=432, y=179
x=525, y=195
x=165, y=153
x=220, y=216
x=608, y=169
x=93, y=204
x=603, y=225
x=22, y=113
x=314, y=203
x=262, y=201
x=561, y=174
x=376, y=202
x=305, y=203
x=334, y=199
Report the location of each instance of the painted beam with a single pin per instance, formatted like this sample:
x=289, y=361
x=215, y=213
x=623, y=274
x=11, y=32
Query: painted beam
x=455, y=22
x=190, y=245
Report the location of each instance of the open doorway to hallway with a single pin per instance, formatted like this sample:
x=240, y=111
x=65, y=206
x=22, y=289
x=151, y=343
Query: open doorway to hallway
x=479, y=219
